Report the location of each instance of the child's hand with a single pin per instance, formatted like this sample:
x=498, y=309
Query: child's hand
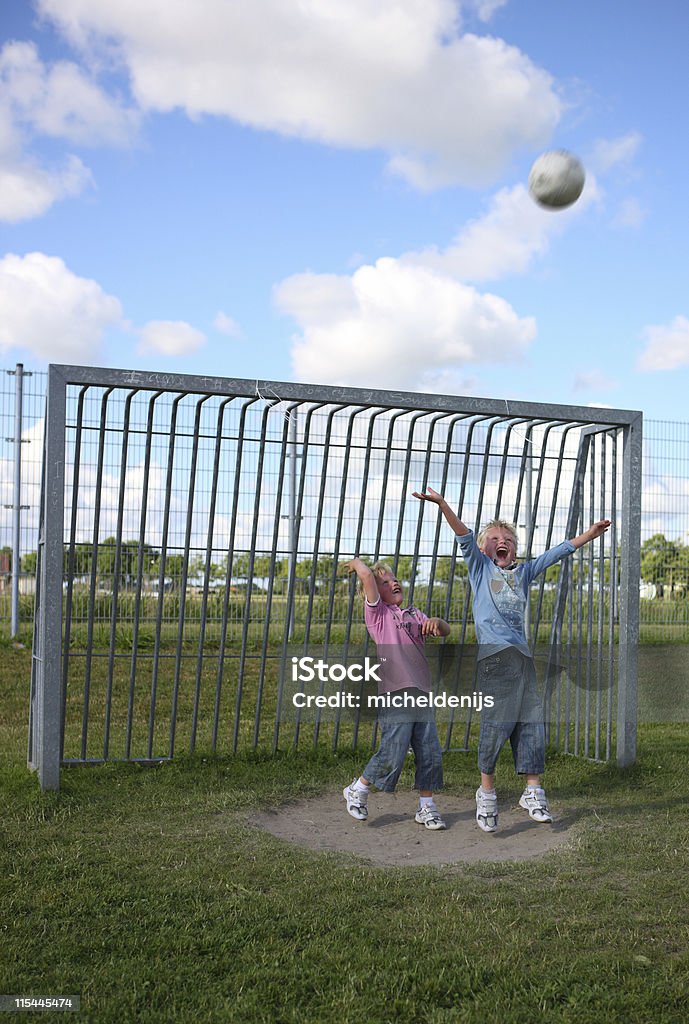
x=350, y=566
x=432, y=627
x=429, y=495
x=599, y=528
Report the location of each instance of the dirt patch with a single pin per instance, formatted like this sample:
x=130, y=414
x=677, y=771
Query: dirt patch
x=391, y=836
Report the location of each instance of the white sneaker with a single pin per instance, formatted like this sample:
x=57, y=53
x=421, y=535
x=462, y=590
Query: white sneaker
x=533, y=800
x=356, y=802
x=486, y=811
x=430, y=818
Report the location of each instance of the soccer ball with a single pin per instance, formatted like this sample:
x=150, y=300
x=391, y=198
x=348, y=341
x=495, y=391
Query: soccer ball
x=556, y=179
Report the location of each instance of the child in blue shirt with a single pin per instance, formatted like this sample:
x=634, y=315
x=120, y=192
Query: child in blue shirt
x=506, y=669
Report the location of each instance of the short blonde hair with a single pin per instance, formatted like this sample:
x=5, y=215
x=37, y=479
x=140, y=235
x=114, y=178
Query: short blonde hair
x=378, y=569
x=500, y=524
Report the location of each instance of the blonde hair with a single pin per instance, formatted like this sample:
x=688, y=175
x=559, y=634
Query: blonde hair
x=378, y=569
x=500, y=524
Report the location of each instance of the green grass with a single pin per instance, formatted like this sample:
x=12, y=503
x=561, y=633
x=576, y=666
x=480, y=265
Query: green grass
x=147, y=892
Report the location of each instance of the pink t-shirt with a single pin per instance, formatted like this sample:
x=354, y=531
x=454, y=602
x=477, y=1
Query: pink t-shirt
x=399, y=646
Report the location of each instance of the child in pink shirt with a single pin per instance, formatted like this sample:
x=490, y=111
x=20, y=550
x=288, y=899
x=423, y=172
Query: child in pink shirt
x=399, y=634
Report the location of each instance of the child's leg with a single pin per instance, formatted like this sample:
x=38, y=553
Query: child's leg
x=498, y=677
x=385, y=766
x=429, y=772
x=428, y=756
x=528, y=747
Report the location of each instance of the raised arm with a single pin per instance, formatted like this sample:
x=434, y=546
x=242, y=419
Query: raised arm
x=452, y=519
x=366, y=578
x=596, y=530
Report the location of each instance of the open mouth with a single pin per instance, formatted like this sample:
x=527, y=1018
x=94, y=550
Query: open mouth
x=502, y=551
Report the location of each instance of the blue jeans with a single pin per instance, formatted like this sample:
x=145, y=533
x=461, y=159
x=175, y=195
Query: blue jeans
x=517, y=715
x=399, y=730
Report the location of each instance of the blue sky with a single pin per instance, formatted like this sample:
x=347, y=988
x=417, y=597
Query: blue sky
x=334, y=192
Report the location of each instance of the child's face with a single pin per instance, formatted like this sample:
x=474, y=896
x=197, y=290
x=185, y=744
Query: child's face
x=389, y=589
x=499, y=545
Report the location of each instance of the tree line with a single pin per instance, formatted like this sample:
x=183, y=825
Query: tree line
x=664, y=563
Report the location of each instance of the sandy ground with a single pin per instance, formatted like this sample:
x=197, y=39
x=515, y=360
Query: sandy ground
x=390, y=836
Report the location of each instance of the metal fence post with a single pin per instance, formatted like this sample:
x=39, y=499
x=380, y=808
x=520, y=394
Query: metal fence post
x=47, y=712
x=630, y=576
x=16, y=510
x=19, y=374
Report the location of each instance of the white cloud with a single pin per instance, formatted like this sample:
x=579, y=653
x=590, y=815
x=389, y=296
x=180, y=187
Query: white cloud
x=226, y=325
x=415, y=322
x=50, y=311
x=485, y=9
x=400, y=77
x=395, y=326
x=608, y=153
x=170, y=338
x=667, y=346
x=505, y=239
x=60, y=102
x=28, y=190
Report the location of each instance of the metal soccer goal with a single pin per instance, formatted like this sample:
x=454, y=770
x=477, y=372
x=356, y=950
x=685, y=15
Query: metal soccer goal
x=192, y=528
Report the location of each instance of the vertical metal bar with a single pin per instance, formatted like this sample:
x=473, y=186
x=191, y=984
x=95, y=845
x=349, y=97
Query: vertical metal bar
x=72, y=546
x=419, y=520
x=228, y=571
x=381, y=518
x=317, y=537
x=630, y=568
x=207, y=568
x=477, y=525
x=589, y=601
x=568, y=677
x=601, y=597
x=565, y=587
x=439, y=522
x=356, y=551
x=139, y=571
x=17, y=499
x=286, y=427
x=468, y=441
x=484, y=473
x=386, y=473
x=319, y=520
x=92, y=584
x=451, y=568
x=612, y=613
x=292, y=513
x=558, y=610
x=32, y=753
x=506, y=458
x=250, y=572
x=403, y=493
x=48, y=714
x=185, y=570
x=172, y=434
x=114, y=596
x=580, y=628
x=344, y=479
x=291, y=583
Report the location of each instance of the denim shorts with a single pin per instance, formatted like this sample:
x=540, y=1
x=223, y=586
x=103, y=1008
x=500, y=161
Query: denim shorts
x=400, y=730
x=517, y=714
